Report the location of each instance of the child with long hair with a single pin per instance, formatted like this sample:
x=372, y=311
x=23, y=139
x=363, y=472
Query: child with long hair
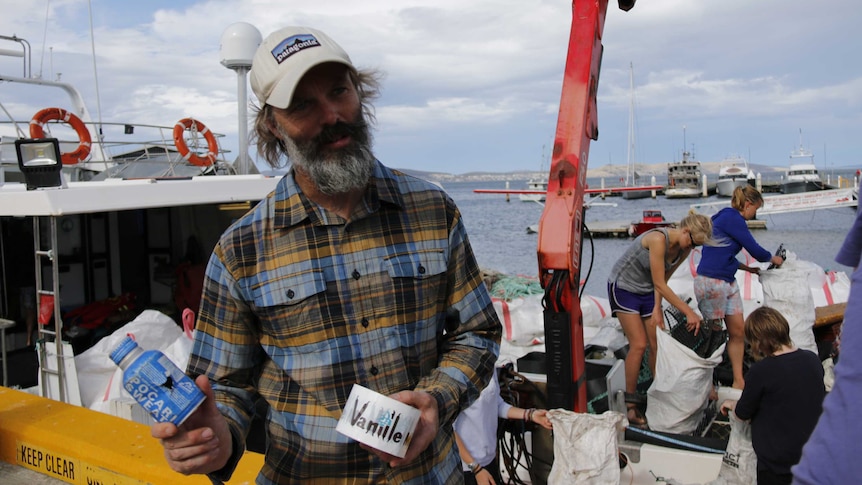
x=782, y=398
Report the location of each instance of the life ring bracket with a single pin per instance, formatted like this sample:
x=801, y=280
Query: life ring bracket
x=41, y=118
x=182, y=146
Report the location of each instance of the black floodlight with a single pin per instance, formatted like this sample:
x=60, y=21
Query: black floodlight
x=40, y=163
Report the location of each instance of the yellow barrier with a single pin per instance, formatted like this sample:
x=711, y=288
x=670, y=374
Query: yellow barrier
x=81, y=446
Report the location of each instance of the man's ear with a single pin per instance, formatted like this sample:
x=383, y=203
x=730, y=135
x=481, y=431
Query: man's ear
x=273, y=128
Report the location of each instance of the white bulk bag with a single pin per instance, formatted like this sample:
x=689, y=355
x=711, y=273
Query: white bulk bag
x=680, y=390
x=100, y=380
x=788, y=290
x=524, y=322
x=585, y=448
x=739, y=465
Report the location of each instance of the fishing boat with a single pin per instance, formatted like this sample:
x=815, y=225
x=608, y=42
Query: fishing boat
x=538, y=185
x=632, y=176
x=105, y=211
x=733, y=172
x=801, y=174
x=684, y=178
x=651, y=219
x=537, y=188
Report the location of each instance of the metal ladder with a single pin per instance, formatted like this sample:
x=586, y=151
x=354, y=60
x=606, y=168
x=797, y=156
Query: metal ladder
x=45, y=334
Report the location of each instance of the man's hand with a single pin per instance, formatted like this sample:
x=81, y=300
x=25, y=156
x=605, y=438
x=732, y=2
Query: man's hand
x=426, y=427
x=203, y=443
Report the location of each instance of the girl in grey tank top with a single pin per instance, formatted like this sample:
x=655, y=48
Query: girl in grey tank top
x=636, y=288
x=632, y=271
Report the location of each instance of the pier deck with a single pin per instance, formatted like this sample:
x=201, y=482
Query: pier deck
x=612, y=229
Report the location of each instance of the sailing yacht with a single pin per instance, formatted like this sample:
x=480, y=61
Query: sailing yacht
x=632, y=177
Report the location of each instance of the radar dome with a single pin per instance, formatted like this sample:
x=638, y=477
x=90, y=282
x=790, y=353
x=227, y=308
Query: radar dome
x=238, y=45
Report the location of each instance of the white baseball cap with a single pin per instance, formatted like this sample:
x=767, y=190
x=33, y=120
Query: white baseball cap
x=285, y=56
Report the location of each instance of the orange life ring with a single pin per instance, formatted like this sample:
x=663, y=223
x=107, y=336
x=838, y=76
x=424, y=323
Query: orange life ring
x=193, y=158
x=37, y=125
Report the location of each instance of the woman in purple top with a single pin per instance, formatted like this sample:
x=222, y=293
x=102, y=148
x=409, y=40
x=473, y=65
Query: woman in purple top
x=715, y=284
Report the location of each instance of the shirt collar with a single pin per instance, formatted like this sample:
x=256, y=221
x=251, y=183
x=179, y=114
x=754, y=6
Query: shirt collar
x=291, y=206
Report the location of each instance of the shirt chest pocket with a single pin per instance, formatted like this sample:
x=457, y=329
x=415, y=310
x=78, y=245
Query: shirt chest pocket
x=418, y=265
x=294, y=298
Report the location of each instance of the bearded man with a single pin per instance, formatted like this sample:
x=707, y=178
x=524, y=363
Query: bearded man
x=349, y=272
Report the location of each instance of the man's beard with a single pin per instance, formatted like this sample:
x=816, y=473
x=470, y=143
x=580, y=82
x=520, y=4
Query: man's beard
x=334, y=172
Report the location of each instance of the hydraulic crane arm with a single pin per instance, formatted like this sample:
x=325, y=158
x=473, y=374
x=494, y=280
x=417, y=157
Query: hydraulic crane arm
x=559, y=245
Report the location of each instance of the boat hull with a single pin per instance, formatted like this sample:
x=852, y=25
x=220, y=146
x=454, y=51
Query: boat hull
x=636, y=194
x=682, y=192
x=540, y=186
x=532, y=197
x=725, y=188
x=640, y=227
x=799, y=186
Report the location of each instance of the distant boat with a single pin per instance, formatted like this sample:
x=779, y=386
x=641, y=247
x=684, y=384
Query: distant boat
x=684, y=178
x=651, y=219
x=540, y=185
x=632, y=177
x=802, y=174
x=535, y=185
x=732, y=173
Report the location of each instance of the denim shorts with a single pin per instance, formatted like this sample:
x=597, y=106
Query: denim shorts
x=623, y=301
x=717, y=298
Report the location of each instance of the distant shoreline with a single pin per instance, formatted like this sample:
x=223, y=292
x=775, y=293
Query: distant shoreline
x=610, y=172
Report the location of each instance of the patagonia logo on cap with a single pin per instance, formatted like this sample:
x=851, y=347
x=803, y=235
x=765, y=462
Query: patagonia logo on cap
x=292, y=45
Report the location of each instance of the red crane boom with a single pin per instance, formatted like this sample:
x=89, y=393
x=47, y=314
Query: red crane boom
x=559, y=245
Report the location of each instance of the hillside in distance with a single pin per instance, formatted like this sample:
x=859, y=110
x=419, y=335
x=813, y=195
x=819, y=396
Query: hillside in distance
x=611, y=172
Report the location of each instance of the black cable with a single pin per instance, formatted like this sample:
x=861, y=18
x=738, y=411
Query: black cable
x=587, y=232
x=511, y=434
x=559, y=287
x=553, y=292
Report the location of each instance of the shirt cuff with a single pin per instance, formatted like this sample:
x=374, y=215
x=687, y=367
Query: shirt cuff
x=237, y=450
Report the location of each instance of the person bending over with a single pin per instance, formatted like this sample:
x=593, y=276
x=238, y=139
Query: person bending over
x=637, y=286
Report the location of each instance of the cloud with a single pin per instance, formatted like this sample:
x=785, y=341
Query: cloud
x=466, y=74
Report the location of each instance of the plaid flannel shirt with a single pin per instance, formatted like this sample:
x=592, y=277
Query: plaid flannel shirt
x=299, y=304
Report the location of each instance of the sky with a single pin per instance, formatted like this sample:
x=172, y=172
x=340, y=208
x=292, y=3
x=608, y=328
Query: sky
x=474, y=85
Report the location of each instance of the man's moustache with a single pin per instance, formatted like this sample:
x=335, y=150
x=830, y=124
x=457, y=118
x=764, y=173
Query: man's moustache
x=336, y=132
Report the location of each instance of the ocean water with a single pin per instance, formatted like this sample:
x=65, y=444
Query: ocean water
x=498, y=230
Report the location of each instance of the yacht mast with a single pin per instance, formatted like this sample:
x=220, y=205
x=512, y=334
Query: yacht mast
x=630, y=155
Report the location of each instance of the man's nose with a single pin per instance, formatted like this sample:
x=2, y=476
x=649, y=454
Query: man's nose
x=330, y=113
